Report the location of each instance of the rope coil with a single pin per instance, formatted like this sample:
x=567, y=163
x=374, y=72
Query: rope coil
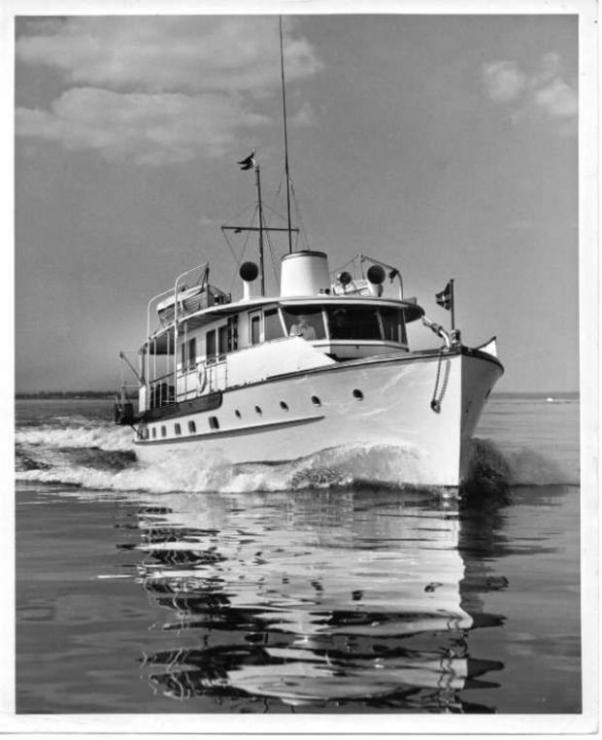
x=438, y=396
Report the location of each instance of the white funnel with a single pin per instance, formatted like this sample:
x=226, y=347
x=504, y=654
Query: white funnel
x=304, y=273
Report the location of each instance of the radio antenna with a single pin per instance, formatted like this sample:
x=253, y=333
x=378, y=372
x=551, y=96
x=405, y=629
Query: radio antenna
x=286, y=165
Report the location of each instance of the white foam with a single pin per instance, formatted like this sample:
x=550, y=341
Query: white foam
x=338, y=467
x=333, y=468
x=106, y=437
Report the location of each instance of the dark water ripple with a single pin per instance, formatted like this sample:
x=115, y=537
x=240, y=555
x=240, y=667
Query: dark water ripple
x=336, y=601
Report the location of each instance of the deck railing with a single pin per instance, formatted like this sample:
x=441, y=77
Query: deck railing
x=205, y=377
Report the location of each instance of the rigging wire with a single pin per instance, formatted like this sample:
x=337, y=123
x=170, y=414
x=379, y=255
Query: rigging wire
x=236, y=260
x=236, y=216
x=244, y=247
x=269, y=243
x=302, y=230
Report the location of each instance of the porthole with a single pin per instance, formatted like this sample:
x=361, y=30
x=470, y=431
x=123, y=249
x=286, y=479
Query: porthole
x=316, y=401
x=164, y=431
x=191, y=427
x=237, y=412
x=258, y=410
x=358, y=394
x=283, y=406
x=177, y=429
x=214, y=422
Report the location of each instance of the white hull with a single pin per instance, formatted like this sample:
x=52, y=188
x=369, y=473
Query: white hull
x=322, y=411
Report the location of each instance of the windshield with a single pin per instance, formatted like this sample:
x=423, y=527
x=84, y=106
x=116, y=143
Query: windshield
x=304, y=321
x=346, y=322
x=366, y=322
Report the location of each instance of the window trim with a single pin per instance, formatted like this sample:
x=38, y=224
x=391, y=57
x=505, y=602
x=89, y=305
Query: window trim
x=211, y=334
x=278, y=312
x=256, y=315
x=308, y=308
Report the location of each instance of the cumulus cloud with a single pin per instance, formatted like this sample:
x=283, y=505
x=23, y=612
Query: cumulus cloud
x=149, y=128
x=545, y=91
x=154, y=54
x=505, y=81
x=557, y=99
x=158, y=89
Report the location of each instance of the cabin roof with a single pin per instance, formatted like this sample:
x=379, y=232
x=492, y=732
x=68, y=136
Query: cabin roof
x=411, y=310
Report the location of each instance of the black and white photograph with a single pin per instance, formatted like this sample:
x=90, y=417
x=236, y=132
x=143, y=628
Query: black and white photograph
x=304, y=395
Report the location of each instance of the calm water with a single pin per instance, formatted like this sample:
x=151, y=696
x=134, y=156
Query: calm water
x=315, y=586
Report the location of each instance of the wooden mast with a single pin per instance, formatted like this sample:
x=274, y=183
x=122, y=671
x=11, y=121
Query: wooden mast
x=261, y=268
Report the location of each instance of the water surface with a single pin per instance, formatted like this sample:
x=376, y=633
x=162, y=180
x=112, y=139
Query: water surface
x=332, y=592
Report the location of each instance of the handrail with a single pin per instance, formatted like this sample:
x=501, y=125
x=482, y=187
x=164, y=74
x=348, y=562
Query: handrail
x=394, y=271
x=439, y=330
x=173, y=290
x=156, y=298
x=148, y=307
x=204, y=265
x=187, y=272
x=160, y=377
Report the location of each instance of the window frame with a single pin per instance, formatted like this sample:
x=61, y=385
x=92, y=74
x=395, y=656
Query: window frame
x=211, y=338
x=269, y=313
x=297, y=309
x=255, y=316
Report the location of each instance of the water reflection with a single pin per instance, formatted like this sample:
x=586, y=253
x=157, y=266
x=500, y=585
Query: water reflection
x=309, y=598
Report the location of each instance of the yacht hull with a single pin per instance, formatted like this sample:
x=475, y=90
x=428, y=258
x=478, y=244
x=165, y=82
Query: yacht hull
x=427, y=403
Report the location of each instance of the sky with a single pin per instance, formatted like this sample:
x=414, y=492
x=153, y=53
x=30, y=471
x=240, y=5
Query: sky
x=444, y=145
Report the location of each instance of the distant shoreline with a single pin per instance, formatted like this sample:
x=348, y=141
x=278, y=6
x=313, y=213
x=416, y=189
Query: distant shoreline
x=536, y=394
x=110, y=395
x=66, y=395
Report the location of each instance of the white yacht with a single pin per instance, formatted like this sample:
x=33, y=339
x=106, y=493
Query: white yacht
x=322, y=362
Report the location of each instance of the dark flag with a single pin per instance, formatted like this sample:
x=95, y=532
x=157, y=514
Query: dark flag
x=248, y=163
x=444, y=298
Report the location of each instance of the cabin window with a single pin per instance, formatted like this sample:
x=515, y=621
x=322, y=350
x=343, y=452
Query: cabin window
x=191, y=427
x=232, y=333
x=164, y=431
x=223, y=340
x=304, y=321
x=393, y=325
x=192, y=352
x=353, y=322
x=177, y=429
x=188, y=350
x=211, y=345
x=154, y=433
x=213, y=422
x=271, y=325
x=255, y=329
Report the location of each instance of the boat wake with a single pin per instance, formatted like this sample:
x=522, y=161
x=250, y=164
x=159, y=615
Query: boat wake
x=102, y=457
